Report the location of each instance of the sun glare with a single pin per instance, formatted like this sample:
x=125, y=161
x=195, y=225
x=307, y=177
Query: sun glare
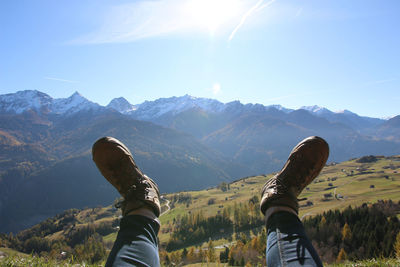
x=211, y=15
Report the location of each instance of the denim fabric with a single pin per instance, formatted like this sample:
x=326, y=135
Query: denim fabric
x=287, y=243
x=136, y=243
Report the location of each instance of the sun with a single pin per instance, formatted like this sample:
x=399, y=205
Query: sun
x=211, y=15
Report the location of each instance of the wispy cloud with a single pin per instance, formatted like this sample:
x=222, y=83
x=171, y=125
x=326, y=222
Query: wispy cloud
x=145, y=19
x=60, y=80
x=133, y=21
x=258, y=6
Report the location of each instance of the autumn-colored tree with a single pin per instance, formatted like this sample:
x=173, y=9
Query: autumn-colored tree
x=262, y=242
x=211, y=252
x=201, y=255
x=397, y=245
x=231, y=256
x=254, y=242
x=176, y=257
x=346, y=232
x=342, y=255
x=322, y=222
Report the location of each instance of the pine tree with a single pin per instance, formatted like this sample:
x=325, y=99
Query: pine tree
x=224, y=255
x=167, y=261
x=184, y=254
x=262, y=241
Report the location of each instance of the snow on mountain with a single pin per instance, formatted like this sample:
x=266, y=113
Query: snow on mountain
x=345, y=111
x=22, y=101
x=279, y=107
x=174, y=105
x=121, y=105
x=72, y=104
x=317, y=110
x=151, y=110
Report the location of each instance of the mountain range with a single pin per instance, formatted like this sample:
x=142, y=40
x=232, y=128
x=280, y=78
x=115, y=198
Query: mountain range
x=182, y=142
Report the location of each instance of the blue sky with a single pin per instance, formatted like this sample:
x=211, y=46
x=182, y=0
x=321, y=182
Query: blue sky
x=337, y=54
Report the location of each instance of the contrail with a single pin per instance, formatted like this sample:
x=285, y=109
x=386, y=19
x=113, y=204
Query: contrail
x=248, y=13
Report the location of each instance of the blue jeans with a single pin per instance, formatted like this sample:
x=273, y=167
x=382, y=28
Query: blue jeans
x=287, y=243
x=136, y=243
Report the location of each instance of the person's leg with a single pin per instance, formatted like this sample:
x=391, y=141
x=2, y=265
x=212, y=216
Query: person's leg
x=136, y=243
x=287, y=243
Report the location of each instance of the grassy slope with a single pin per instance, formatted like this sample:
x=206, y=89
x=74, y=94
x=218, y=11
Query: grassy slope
x=354, y=189
x=352, y=182
x=12, y=252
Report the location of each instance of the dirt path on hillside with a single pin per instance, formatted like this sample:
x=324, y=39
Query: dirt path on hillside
x=168, y=208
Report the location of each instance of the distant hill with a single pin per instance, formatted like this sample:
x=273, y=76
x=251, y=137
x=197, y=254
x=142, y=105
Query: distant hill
x=390, y=129
x=46, y=167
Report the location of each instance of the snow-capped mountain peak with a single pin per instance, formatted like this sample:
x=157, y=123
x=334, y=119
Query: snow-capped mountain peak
x=174, y=105
x=121, y=105
x=22, y=101
x=72, y=104
x=317, y=109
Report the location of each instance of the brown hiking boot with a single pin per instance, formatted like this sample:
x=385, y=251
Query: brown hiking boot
x=116, y=164
x=305, y=162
